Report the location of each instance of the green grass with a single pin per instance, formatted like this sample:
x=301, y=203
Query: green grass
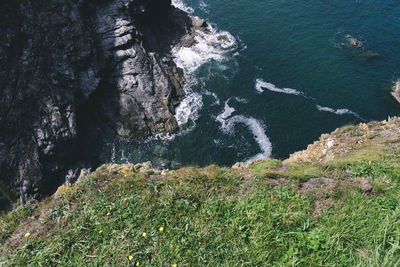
x=256, y=215
x=212, y=216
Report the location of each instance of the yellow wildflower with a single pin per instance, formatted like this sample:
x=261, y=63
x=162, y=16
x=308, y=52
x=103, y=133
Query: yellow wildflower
x=101, y=231
x=108, y=214
x=161, y=229
x=62, y=189
x=110, y=208
x=130, y=257
x=27, y=234
x=144, y=234
x=125, y=199
x=175, y=265
x=137, y=264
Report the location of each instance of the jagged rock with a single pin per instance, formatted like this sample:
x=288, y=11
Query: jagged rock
x=75, y=75
x=188, y=41
x=200, y=23
x=396, y=90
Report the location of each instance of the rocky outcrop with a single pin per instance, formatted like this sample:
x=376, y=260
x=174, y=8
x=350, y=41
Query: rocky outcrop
x=396, y=90
x=346, y=140
x=74, y=75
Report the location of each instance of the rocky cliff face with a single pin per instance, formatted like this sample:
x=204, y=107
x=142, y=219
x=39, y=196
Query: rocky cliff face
x=74, y=75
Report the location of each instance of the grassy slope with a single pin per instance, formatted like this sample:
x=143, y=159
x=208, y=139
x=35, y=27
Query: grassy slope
x=256, y=215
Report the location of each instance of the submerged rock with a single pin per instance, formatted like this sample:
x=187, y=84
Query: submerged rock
x=360, y=47
x=370, y=54
x=354, y=42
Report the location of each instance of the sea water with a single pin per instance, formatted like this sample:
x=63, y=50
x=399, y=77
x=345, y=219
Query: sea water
x=273, y=75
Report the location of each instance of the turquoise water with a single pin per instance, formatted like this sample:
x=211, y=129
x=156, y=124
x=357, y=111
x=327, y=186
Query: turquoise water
x=299, y=45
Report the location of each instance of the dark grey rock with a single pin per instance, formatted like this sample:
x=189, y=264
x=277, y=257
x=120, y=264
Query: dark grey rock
x=75, y=75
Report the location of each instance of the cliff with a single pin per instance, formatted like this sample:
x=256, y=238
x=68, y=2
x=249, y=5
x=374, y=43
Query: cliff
x=335, y=203
x=74, y=76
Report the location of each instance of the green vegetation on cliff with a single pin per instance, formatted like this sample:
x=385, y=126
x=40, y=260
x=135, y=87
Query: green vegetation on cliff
x=334, y=204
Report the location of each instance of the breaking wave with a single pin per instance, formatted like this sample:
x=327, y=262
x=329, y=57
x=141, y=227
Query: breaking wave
x=211, y=45
x=179, y=4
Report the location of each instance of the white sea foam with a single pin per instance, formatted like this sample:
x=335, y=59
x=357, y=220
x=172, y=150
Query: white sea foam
x=255, y=126
x=218, y=142
x=341, y=111
x=179, y=4
x=214, y=95
x=260, y=85
x=188, y=108
x=241, y=100
x=203, y=6
x=210, y=45
x=228, y=110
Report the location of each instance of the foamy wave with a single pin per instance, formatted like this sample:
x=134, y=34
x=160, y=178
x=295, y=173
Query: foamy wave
x=224, y=115
x=255, y=126
x=341, y=111
x=260, y=84
x=188, y=108
x=210, y=45
x=179, y=4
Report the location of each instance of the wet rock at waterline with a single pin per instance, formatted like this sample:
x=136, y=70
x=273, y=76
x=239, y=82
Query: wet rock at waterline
x=354, y=42
x=361, y=47
x=76, y=75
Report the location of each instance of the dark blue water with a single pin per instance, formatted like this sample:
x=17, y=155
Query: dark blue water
x=301, y=45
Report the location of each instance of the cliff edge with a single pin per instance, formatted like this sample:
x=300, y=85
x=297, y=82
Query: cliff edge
x=335, y=203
